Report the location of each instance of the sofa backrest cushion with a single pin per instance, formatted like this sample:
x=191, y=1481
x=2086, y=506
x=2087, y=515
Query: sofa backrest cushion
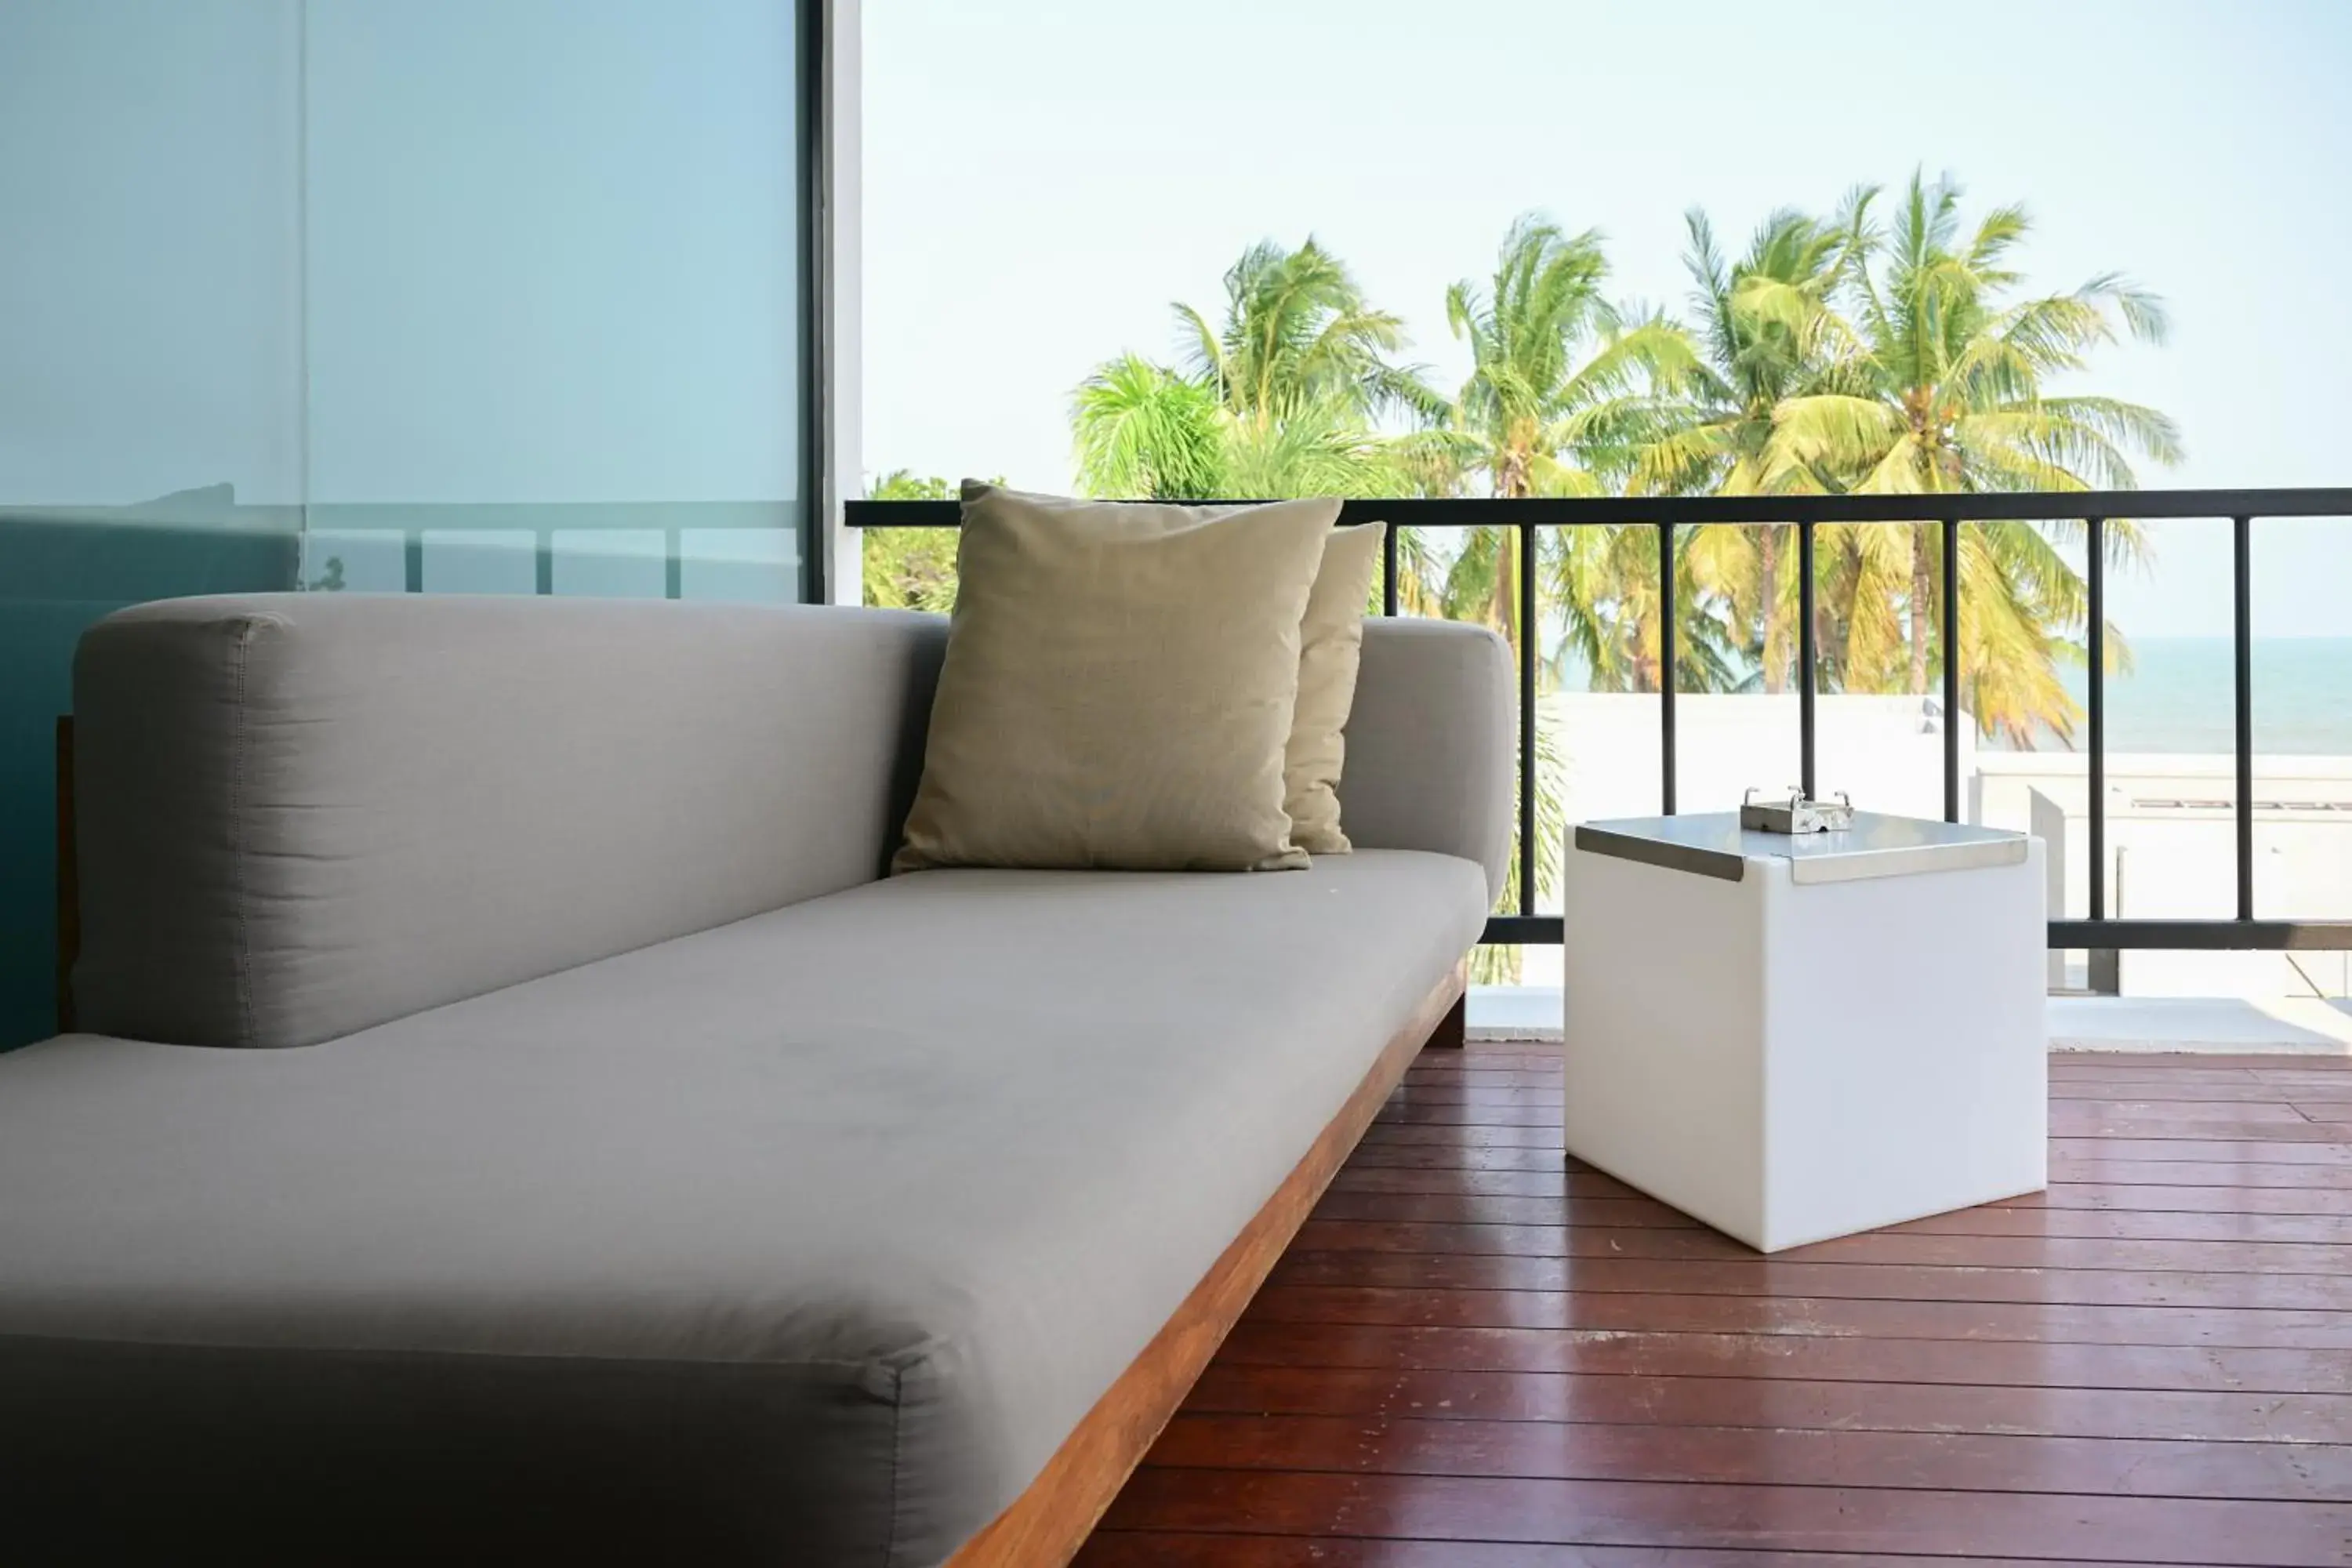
x=1433, y=743
x=302, y=815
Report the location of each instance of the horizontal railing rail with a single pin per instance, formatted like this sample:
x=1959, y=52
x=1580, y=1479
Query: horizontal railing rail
x=2097, y=933
x=543, y=520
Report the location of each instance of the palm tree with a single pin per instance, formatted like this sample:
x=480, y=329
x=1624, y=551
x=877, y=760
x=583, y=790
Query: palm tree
x=1281, y=398
x=1769, y=333
x=1297, y=332
x=1947, y=391
x=1560, y=382
x=1144, y=430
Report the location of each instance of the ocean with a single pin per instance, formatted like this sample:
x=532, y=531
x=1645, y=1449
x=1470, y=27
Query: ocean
x=2178, y=695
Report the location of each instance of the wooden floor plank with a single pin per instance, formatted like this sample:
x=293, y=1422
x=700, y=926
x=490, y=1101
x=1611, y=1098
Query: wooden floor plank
x=1546, y=1096
x=1755, y=1456
x=1543, y=1112
x=2122, y=1185
x=1603, y=1210
x=2177, y=1220
x=2183, y=1171
x=2177, y=1198
x=1754, y=1277
x=1360, y=1178
x=2125, y=1146
x=2159, y=1119
x=1503, y=1136
x=2153, y=1088
x=1701, y=1514
x=2189, y=1171
x=1878, y=1246
x=2202, y=1061
x=1494, y=1078
x=2184, y=1414
x=1625, y=1311
x=1479, y=1352
x=1976, y=1364
x=1178, y=1549
x=2171, y=1069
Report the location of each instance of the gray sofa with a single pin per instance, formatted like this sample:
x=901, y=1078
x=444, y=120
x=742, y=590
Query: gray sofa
x=515, y=1115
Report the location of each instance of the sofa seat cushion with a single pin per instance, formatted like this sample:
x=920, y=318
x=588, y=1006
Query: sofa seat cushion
x=810, y=1235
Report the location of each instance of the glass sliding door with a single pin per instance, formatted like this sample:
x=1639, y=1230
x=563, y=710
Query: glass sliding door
x=394, y=296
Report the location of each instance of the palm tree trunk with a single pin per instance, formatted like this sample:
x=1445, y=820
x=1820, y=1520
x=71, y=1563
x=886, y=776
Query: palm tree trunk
x=1507, y=589
x=1776, y=629
x=1510, y=484
x=1923, y=589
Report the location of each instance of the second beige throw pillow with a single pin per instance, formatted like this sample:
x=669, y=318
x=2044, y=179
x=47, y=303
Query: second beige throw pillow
x=1331, y=648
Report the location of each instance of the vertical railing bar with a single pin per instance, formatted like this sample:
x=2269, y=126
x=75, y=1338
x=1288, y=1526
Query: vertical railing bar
x=412, y=559
x=2242, y=630
x=1807, y=656
x=1389, y=569
x=543, y=561
x=2094, y=688
x=1952, y=636
x=673, y=564
x=1527, y=545
x=1666, y=667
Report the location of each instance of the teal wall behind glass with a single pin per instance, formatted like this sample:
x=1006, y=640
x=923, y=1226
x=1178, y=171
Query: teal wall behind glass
x=396, y=295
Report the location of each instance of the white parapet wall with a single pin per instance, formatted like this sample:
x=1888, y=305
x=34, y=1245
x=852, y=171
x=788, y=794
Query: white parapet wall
x=2172, y=855
x=1887, y=752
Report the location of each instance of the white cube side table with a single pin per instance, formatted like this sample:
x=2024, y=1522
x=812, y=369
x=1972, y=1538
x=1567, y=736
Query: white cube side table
x=1795, y=1039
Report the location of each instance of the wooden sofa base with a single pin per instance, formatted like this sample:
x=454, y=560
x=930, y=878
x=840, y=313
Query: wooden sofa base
x=1047, y=1524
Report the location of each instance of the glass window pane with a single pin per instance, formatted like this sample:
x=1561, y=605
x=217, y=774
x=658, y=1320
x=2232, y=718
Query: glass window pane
x=149, y=346
x=555, y=263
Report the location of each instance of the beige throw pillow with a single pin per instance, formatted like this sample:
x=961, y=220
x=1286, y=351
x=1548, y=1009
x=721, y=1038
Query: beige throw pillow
x=1331, y=648
x=1119, y=687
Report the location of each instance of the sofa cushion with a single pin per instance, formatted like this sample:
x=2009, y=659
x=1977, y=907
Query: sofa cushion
x=280, y=790
x=1118, y=688
x=809, y=1237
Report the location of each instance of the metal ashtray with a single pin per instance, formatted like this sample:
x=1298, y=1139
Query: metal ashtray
x=1795, y=813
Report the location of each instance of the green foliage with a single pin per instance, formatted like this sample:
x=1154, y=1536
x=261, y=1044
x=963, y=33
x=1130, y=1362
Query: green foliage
x=1146, y=431
x=1280, y=396
x=1947, y=389
x=911, y=568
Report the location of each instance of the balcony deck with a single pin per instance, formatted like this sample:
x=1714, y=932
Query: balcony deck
x=1470, y=1358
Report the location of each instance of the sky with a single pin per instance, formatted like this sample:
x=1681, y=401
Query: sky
x=1042, y=179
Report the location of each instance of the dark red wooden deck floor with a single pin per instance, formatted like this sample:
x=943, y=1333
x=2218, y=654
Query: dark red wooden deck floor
x=1470, y=1358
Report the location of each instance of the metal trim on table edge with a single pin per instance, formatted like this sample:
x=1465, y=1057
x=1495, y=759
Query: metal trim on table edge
x=1695, y=858
x=1813, y=860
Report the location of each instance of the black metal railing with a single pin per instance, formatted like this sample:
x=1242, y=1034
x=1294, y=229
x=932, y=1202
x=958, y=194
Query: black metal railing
x=1670, y=516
